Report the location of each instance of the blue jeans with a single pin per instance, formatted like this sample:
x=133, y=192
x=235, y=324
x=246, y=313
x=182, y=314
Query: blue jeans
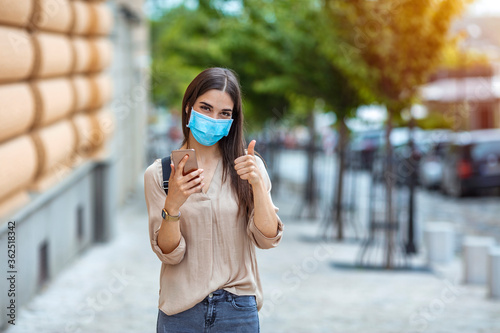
x=219, y=312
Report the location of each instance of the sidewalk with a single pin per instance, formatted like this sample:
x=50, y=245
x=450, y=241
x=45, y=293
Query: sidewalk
x=114, y=288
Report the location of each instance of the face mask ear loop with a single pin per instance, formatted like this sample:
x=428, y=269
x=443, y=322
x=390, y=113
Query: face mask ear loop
x=190, y=115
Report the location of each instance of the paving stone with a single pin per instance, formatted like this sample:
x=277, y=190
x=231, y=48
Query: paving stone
x=113, y=287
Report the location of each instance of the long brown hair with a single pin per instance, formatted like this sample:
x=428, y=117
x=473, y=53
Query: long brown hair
x=233, y=145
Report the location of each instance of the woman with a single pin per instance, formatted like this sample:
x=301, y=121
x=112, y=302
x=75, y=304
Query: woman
x=215, y=216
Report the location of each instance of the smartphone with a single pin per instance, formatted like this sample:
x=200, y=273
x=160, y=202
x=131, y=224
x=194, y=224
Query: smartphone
x=191, y=164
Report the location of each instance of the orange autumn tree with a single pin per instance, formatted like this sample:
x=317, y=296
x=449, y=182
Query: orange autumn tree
x=400, y=42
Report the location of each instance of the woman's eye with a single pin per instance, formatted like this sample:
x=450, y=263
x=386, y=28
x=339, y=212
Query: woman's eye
x=226, y=114
x=206, y=108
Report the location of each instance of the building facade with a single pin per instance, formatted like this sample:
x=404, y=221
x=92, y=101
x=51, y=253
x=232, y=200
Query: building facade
x=74, y=95
x=468, y=99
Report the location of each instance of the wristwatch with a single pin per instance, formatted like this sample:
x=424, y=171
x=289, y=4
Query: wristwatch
x=168, y=217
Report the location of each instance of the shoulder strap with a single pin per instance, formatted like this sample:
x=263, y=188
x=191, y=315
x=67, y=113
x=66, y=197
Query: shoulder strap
x=165, y=165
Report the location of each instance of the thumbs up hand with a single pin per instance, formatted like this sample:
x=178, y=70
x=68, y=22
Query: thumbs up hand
x=246, y=165
x=251, y=148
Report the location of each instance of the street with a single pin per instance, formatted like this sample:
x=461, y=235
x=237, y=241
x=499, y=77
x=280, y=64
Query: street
x=475, y=215
x=309, y=285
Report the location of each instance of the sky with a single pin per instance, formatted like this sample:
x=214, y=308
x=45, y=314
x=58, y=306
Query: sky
x=485, y=7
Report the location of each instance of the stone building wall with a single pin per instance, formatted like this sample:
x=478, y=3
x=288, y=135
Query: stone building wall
x=54, y=92
x=74, y=99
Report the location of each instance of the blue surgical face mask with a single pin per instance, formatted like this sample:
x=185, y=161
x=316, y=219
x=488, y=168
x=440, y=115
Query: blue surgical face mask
x=206, y=130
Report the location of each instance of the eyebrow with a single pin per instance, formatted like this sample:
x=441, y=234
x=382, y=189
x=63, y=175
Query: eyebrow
x=210, y=106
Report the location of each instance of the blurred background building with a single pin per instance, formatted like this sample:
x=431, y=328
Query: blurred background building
x=73, y=105
x=470, y=92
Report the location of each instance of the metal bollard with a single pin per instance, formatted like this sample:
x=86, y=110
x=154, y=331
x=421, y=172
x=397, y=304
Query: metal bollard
x=476, y=251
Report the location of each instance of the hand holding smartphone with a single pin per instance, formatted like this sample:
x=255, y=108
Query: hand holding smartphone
x=181, y=187
x=191, y=163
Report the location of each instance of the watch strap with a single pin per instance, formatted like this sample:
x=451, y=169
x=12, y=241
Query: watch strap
x=167, y=217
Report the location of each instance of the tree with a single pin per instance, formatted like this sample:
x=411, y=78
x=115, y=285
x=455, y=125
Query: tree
x=400, y=42
x=296, y=38
x=280, y=51
x=181, y=47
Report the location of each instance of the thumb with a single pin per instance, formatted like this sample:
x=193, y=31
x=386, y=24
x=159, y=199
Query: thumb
x=251, y=148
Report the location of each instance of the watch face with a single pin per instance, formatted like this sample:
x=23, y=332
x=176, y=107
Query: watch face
x=163, y=214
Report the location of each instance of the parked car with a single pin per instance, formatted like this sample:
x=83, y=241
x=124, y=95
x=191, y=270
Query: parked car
x=472, y=162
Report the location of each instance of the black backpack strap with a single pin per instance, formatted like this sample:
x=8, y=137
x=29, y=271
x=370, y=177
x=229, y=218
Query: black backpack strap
x=165, y=165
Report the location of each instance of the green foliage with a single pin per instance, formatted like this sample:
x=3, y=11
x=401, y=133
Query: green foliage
x=279, y=49
x=181, y=48
x=399, y=41
x=435, y=120
x=454, y=58
x=289, y=54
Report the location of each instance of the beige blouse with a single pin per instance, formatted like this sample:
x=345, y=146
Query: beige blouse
x=217, y=248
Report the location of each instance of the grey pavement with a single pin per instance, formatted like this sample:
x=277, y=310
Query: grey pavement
x=309, y=286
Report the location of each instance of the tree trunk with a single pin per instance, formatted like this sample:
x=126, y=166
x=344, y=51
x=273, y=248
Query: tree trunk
x=309, y=193
x=389, y=178
x=343, y=139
